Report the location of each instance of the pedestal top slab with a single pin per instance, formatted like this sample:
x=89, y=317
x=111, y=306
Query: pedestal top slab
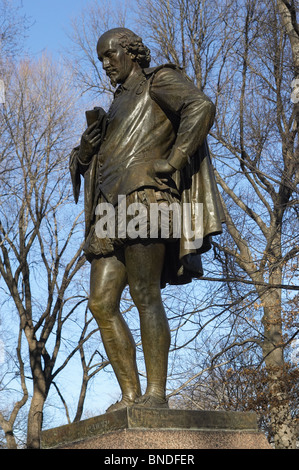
x=141, y=418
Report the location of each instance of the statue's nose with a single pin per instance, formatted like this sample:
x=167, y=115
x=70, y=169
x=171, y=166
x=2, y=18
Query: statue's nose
x=106, y=63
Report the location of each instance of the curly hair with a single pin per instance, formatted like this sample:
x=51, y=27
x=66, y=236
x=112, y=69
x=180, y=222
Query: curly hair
x=133, y=45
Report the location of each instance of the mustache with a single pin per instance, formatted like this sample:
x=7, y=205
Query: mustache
x=109, y=71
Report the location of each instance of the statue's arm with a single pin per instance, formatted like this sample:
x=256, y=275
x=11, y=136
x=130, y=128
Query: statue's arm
x=194, y=112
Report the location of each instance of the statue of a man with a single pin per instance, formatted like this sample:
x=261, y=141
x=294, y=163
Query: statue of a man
x=148, y=148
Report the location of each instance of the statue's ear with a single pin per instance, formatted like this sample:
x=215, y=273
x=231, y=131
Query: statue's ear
x=132, y=56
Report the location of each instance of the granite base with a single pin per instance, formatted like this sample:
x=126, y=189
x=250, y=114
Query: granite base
x=139, y=428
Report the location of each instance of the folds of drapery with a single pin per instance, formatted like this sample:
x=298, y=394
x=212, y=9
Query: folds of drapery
x=202, y=217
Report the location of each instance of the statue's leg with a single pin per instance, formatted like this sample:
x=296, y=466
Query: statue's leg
x=144, y=267
x=107, y=281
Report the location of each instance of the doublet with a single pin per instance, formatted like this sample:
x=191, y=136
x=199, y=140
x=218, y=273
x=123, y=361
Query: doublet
x=156, y=114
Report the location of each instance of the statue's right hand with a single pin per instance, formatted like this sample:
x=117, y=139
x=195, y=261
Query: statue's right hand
x=90, y=140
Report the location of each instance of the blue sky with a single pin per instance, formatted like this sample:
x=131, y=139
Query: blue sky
x=51, y=20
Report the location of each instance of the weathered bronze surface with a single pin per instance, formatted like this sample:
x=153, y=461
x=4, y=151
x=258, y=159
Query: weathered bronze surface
x=150, y=145
x=145, y=419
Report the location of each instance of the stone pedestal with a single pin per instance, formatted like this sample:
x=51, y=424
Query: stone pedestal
x=139, y=428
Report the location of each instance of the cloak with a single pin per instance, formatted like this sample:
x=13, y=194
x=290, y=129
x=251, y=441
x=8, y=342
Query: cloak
x=197, y=187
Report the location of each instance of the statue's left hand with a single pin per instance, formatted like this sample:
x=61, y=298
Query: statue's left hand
x=90, y=141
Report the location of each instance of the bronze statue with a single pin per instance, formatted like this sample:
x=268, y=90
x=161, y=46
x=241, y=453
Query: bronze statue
x=149, y=148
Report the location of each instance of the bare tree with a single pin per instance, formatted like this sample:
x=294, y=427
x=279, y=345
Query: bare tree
x=13, y=27
x=240, y=54
x=84, y=33
x=259, y=216
x=288, y=12
x=188, y=33
x=40, y=237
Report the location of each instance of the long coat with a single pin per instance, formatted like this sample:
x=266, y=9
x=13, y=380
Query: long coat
x=196, y=184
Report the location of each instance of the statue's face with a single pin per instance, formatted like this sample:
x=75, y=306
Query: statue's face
x=117, y=64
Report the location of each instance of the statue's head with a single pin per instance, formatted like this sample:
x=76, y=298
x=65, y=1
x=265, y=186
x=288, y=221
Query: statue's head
x=122, y=52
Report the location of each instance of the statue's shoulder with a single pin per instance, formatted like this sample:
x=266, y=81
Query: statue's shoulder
x=166, y=69
x=150, y=71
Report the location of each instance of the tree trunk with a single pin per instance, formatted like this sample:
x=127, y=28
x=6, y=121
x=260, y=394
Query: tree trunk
x=81, y=398
x=9, y=435
x=35, y=416
x=281, y=421
x=273, y=353
x=10, y=440
x=287, y=11
x=35, y=419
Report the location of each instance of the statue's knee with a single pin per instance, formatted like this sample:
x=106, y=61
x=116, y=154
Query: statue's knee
x=92, y=305
x=145, y=295
x=98, y=307
x=137, y=292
